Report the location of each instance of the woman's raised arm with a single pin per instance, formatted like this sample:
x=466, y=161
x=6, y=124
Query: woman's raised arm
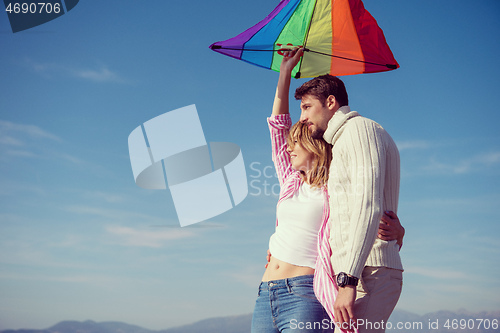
x=290, y=59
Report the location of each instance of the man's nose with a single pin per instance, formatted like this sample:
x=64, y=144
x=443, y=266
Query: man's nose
x=303, y=118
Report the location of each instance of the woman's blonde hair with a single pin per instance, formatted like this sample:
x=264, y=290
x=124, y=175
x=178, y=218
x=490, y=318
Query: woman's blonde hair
x=322, y=151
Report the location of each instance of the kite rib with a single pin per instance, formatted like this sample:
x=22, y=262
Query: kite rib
x=217, y=47
x=365, y=62
x=297, y=75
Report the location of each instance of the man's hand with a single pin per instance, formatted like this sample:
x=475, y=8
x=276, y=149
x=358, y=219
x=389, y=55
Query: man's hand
x=268, y=257
x=390, y=228
x=343, y=309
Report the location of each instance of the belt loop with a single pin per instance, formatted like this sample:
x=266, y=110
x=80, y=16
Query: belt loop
x=288, y=286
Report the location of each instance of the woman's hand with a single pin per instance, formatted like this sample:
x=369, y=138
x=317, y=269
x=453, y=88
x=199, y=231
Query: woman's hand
x=291, y=58
x=391, y=229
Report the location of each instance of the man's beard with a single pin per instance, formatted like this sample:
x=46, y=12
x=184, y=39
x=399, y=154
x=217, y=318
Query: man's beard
x=317, y=134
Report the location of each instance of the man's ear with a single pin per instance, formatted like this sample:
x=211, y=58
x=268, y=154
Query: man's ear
x=331, y=102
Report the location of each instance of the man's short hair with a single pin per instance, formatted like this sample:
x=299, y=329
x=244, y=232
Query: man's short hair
x=323, y=86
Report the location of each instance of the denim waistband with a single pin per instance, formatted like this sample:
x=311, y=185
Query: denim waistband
x=285, y=283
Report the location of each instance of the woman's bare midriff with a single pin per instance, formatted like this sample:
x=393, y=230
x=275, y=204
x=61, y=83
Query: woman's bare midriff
x=277, y=270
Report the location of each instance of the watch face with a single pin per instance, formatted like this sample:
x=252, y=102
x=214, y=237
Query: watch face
x=341, y=280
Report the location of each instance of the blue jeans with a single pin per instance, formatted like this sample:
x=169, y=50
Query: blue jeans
x=289, y=306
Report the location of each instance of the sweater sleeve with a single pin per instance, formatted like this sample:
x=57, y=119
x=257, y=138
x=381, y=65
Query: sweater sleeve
x=361, y=148
x=279, y=127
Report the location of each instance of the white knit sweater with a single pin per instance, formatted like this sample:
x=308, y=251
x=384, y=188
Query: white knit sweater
x=363, y=183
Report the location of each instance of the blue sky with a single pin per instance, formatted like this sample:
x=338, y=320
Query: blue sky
x=79, y=240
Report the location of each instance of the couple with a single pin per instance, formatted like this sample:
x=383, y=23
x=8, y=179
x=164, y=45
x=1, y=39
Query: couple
x=334, y=254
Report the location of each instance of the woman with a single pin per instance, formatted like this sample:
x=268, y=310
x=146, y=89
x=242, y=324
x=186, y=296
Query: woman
x=286, y=301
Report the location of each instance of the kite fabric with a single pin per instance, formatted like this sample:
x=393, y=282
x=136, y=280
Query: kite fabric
x=339, y=37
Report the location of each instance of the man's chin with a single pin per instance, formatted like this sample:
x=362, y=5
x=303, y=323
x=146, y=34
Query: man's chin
x=317, y=134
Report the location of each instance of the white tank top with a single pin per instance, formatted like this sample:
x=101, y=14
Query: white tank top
x=295, y=240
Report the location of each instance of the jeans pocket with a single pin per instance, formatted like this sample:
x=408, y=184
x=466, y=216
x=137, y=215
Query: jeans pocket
x=261, y=291
x=304, y=291
x=362, y=288
x=397, y=275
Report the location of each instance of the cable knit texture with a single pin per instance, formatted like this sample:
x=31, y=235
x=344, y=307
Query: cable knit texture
x=363, y=183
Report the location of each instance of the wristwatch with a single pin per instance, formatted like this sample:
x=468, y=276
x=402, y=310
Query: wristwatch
x=345, y=280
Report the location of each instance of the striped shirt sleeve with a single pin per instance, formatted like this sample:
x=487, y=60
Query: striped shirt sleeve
x=279, y=127
x=325, y=288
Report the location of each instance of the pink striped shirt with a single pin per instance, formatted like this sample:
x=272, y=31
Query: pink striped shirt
x=325, y=287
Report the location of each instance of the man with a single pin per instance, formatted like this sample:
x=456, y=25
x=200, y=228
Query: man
x=363, y=183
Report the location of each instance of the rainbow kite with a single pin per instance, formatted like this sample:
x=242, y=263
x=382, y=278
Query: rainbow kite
x=339, y=37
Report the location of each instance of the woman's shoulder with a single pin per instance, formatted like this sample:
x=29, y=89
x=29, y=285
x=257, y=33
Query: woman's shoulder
x=280, y=121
